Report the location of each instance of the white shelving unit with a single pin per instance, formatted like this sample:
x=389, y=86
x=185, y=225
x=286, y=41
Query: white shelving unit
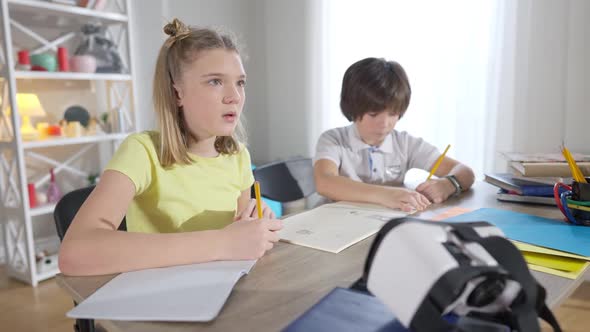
x=31, y=18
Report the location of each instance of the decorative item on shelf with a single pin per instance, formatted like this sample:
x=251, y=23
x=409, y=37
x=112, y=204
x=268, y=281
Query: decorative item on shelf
x=93, y=4
x=48, y=263
x=24, y=61
x=53, y=192
x=42, y=130
x=100, y=4
x=43, y=62
x=54, y=130
x=77, y=113
x=39, y=256
x=93, y=179
x=32, y=195
x=74, y=129
x=41, y=198
x=28, y=106
x=96, y=43
x=62, y=59
x=93, y=127
x=63, y=125
x=105, y=123
x=83, y=64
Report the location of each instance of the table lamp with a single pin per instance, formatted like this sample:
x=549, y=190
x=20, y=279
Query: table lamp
x=28, y=105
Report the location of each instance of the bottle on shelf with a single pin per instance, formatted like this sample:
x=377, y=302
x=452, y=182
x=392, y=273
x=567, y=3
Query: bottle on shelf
x=53, y=192
x=24, y=60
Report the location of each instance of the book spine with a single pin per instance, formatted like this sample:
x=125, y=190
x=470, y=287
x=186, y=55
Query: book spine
x=537, y=190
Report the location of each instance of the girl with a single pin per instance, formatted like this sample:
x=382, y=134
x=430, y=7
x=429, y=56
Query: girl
x=178, y=188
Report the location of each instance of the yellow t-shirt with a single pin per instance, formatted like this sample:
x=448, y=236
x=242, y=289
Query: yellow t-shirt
x=199, y=196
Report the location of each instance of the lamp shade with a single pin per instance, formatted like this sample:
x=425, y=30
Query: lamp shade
x=29, y=104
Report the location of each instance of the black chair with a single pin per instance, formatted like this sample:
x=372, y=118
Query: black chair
x=64, y=213
x=286, y=181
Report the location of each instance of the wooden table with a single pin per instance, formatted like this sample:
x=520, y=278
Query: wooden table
x=290, y=279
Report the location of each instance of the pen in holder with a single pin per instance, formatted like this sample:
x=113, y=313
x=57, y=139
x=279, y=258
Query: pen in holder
x=574, y=201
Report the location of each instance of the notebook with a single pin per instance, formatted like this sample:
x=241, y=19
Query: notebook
x=336, y=226
x=187, y=293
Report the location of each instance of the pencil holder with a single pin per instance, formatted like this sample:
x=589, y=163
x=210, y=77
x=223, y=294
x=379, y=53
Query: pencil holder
x=574, y=201
x=580, y=202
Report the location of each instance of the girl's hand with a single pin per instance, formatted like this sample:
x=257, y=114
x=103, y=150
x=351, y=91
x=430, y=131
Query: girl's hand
x=251, y=212
x=404, y=199
x=437, y=190
x=250, y=238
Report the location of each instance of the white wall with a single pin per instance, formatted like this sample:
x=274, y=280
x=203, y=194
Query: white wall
x=280, y=40
x=149, y=17
x=292, y=42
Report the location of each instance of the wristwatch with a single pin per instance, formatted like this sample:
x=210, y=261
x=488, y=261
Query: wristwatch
x=455, y=182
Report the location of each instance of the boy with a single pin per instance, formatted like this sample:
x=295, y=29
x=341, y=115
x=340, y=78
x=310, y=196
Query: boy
x=363, y=161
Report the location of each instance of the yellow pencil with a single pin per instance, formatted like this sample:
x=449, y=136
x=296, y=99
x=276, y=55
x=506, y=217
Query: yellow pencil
x=566, y=155
x=576, y=172
x=437, y=163
x=258, y=199
x=579, y=175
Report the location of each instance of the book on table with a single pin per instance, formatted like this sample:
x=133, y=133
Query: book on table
x=507, y=196
x=542, y=157
x=519, y=186
x=548, y=169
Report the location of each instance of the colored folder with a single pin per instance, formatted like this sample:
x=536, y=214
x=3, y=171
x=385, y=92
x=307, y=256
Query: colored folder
x=544, y=232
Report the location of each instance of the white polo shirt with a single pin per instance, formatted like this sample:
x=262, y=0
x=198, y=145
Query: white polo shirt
x=386, y=164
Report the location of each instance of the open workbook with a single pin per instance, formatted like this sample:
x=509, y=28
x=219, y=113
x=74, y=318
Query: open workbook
x=336, y=226
x=184, y=293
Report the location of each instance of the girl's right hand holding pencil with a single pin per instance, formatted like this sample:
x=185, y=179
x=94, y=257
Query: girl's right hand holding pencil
x=249, y=238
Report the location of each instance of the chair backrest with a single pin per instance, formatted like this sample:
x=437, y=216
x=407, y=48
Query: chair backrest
x=286, y=181
x=68, y=206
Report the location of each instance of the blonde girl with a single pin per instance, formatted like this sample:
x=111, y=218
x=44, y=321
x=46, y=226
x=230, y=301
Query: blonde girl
x=185, y=189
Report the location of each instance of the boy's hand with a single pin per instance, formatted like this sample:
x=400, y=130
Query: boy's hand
x=437, y=190
x=250, y=238
x=404, y=199
x=251, y=212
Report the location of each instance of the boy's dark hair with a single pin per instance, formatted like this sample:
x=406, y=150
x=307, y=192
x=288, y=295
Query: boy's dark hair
x=373, y=85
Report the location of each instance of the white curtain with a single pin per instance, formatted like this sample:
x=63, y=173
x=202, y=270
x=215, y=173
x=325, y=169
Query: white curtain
x=445, y=48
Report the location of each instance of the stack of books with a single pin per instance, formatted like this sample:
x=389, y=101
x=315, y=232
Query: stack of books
x=514, y=188
x=545, y=164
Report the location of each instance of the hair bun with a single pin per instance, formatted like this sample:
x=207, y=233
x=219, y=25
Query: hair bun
x=174, y=28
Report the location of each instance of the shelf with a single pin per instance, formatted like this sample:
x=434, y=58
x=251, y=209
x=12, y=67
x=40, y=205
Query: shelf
x=48, y=274
x=41, y=210
x=46, y=75
x=43, y=13
x=73, y=140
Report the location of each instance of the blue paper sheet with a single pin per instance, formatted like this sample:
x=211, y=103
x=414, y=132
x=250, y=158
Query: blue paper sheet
x=535, y=230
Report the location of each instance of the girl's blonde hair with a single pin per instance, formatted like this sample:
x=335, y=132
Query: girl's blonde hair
x=179, y=50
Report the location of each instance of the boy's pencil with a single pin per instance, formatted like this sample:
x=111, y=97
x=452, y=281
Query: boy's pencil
x=258, y=199
x=437, y=163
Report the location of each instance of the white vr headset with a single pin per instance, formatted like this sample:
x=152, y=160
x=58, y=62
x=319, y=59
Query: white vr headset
x=433, y=274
